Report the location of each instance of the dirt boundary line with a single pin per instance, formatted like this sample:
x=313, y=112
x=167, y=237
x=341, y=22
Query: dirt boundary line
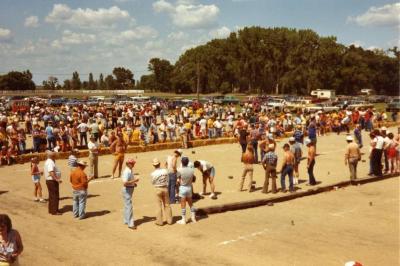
x=262, y=202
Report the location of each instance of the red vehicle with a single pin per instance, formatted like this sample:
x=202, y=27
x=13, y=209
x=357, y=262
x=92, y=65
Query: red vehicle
x=20, y=106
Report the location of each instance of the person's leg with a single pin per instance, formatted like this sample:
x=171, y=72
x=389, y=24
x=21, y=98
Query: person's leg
x=242, y=179
x=312, y=180
x=116, y=160
x=255, y=148
x=82, y=203
x=52, y=195
x=35, y=189
x=283, y=176
x=273, y=180
x=386, y=161
x=204, y=184
x=243, y=145
x=91, y=164
x=267, y=174
x=57, y=196
x=183, y=211
x=171, y=187
x=167, y=206
x=128, y=209
x=250, y=181
x=290, y=174
x=159, y=219
x=96, y=166
x=211, y=180
x=120, y=163
x=75, y=203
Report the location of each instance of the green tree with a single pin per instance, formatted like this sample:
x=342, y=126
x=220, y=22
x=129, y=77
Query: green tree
x=101, y=84
x=16, y=80
x=51, y=83
x=162, y=71
x=76, y=83
x=123, y=78
x=110, y=83
x=92, y=85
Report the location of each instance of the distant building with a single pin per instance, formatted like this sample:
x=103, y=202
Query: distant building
x=323, y=94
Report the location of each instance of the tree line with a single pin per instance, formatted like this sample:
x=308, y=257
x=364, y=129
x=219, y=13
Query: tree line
x=254, y=60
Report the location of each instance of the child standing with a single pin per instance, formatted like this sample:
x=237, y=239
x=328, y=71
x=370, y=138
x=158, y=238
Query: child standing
x=36, y=173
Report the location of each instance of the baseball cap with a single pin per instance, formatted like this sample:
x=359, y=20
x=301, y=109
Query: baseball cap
x=349, y=138
x=292, y=139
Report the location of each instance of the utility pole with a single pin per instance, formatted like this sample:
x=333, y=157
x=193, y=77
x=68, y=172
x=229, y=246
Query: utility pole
x=198, y=80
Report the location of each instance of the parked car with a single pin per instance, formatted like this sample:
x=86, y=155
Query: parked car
x=322, y=107
x=394, y=105
x=230, y=100
x=276, y=103
x=359, y=104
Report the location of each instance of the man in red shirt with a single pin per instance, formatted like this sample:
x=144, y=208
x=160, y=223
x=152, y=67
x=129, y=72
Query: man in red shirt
x=79, y=181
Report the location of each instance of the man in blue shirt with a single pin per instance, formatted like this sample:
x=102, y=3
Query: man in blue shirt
x=51, y=139
x=312, y=131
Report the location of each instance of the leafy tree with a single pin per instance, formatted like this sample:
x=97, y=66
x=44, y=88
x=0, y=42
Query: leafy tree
x=16, y=80
x=110, y=83
x=92, y=85
x=123, y=78
x=162, y=71
x=76, y=83
x=67, y=84
x=101, y=84
x=51, y=83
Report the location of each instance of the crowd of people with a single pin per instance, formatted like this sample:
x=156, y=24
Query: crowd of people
x=69, y=129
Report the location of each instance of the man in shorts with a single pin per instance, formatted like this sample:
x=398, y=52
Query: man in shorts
x=185, y=179
x=208, y=171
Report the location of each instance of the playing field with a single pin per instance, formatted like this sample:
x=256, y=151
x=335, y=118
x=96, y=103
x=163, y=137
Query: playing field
x=356, y=223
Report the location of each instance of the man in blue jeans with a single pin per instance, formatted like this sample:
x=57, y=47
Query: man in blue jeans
x=79, y=181
x=287, y=168
x=171, y=165
x=129, y=182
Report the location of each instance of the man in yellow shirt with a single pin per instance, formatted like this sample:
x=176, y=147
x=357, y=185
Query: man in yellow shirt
x=210, y=127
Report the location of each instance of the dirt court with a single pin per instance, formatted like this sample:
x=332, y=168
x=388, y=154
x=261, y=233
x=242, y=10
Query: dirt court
x=356, y=223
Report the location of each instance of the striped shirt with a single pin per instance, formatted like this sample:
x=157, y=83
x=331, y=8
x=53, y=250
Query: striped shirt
x=72, y=160
x=270, y=158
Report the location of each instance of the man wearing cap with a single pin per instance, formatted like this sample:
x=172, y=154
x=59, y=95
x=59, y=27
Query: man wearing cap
x=269, y=163
x=185, y=179
x=310, y=162
x=171, y=165
x=53, y=179
x=352, y=156
x=93, y=147
x=295, y=148
x=129, y=182
x=79, y=182
x=159, y=179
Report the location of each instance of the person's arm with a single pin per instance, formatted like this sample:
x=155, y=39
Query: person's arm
x=346, y=156
x=20, y=247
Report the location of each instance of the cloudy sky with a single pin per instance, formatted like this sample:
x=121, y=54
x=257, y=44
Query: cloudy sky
x=58, y=37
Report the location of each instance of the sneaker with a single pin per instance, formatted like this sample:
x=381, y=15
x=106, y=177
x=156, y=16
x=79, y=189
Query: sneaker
x=213, y=196
x=182, y=221
x=202, y=193
x=42, y=200
x=36, y=200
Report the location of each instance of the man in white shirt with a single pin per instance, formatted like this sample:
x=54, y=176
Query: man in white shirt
x=159, y=179
x=377, y=145
x=203, y=127
x=208, y=172
x=93, y=147
x=53, y=179
x=83, y=128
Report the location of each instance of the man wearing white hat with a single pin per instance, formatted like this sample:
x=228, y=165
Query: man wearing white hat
x=79, y=182
x=352, y=156
x=159, y=179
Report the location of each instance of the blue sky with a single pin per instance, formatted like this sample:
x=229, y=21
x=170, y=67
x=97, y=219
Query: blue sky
x=58, y=37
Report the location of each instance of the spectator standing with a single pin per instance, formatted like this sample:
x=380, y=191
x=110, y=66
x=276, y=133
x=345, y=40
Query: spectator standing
x=159, y=179
x=79, y=182
x=185, y=179
x=10, y=242
x=310, y=162
x=93, y=147
x=53, y=179
x=129, y=184
x=269, y=163
x=352, y=156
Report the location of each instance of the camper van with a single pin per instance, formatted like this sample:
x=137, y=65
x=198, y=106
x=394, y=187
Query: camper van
x=323, y=94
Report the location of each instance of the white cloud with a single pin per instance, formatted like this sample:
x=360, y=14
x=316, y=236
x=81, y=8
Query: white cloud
x=188, y=15
x=177, y=36
x=86, y=18
x=387, y=15
x=70, y=37
x=220, y=33
x=139, y=33
x=32, y=22
x=5, y=35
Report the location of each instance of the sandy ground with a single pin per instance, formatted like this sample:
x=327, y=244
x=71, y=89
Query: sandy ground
x=358, y=223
